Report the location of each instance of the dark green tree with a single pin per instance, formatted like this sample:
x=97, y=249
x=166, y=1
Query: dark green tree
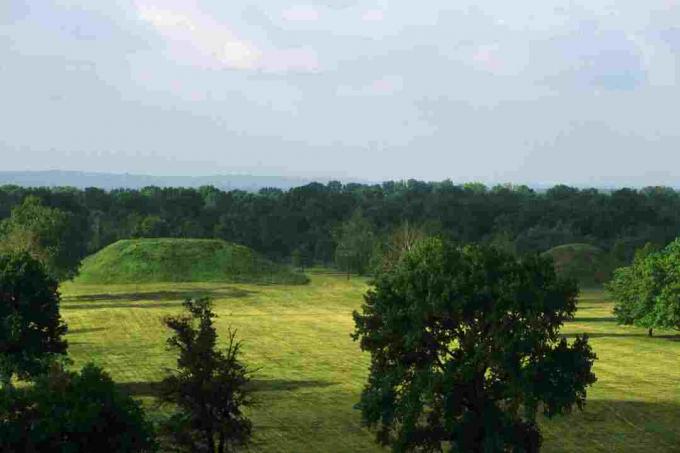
x=48, y=234
x=31, y=328
x=465, y=350
x=356, y=242
x=65, y=412
x=209, y=387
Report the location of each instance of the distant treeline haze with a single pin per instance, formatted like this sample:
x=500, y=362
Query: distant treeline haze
x=304, y=221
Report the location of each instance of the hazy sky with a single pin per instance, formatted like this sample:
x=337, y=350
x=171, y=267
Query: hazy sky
x=530, y=91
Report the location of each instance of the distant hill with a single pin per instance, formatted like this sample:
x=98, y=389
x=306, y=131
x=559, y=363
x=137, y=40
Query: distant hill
x=182, y=260
x=108, y=181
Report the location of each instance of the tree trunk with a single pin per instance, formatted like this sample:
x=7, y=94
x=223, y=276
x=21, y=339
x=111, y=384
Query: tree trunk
x=221, y=445
x=650, y=332
x=211, y=441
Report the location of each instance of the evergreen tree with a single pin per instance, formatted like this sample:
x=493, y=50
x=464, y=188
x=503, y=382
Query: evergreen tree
x=209, y=387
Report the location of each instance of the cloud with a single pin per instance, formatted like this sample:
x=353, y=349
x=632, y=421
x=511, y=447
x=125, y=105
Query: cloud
x=384, y=86
x=373, y=15
x=196, y=38
x=486, y=57
x=301, y=59
x=301, y=13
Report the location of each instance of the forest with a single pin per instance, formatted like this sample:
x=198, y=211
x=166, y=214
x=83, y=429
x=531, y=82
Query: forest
x=305, y=221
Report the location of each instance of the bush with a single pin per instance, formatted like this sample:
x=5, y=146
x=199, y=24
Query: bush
x=65, y=412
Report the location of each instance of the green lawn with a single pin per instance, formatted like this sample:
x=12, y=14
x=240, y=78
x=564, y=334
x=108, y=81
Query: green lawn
x=310, y=372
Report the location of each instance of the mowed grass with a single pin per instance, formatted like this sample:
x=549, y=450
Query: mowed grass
x=309, y=372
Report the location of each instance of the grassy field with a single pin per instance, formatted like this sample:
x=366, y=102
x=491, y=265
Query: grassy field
x=310, y=372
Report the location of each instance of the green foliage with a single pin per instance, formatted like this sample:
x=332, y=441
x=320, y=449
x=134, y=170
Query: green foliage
x=465, y=349
x=65, y=412
x=31, y=328
x=151, y=227
x=209, y=387
x=356, y=241
x=587, y=264
x=647, y=292
x=182, y=260
x=48, y=234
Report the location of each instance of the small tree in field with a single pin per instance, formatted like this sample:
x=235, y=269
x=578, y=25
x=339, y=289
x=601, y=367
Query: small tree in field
x=208, y=387
x=465, y=350
x=31, y=328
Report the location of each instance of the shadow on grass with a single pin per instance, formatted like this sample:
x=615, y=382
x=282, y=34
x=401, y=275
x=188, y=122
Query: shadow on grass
x=140, y=389
x=625, y=335
x=595, y=319
x=621, y=425
x=228, y=292
x=157, y=299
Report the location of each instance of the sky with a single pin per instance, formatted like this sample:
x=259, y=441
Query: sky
x=535, y=91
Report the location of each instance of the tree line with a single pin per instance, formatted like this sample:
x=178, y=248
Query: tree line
x=304, y=221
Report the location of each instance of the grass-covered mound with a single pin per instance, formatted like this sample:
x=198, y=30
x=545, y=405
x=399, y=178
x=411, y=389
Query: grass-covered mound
x=588, y=264
x=182, y=260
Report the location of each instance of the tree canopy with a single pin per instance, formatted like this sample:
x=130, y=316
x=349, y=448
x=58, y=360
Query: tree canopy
x=276, y=222
x=466, y=348
x=49, y=234
x=75, y=413
x=647, y=293
x=31, y=328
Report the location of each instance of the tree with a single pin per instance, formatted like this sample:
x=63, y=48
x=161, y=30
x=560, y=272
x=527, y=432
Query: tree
x=647, y=293
x=31, y=328
x=403, y=239
x=465, y=348
x=209, y=387
x=49, y=234
x=151, y=227
x=73, y=412
x=355, y=239
x=298, y=260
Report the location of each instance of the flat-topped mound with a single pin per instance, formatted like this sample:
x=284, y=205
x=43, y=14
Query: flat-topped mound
x=182, y=260
x=588, y=264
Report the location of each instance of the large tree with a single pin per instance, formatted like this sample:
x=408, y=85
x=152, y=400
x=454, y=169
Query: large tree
x=48, y=234
x=75, y=413
x=209, y=387
x=647, y=293
x=465, y=350
x=31, y=328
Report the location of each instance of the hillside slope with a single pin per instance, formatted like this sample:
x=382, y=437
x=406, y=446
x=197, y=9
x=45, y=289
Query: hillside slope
x=182, y=260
